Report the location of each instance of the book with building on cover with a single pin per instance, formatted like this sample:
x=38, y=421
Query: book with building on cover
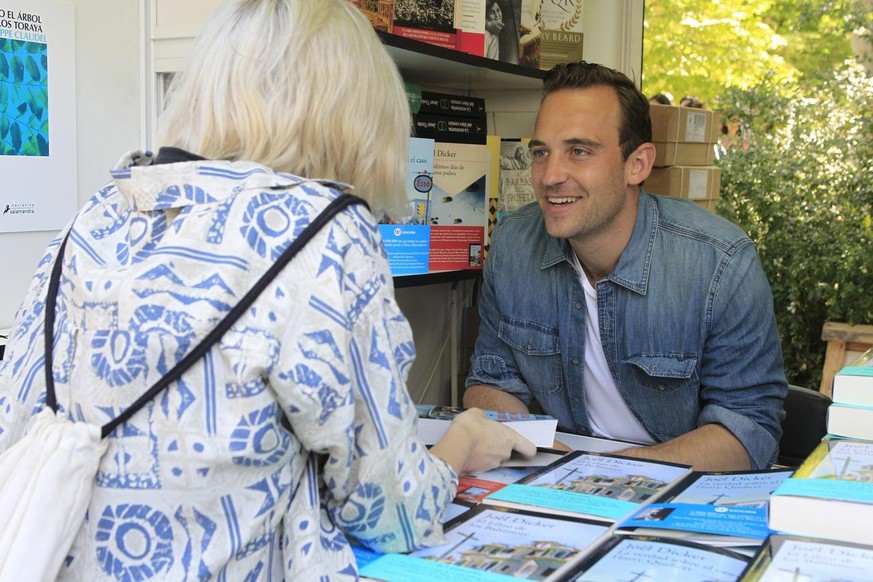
x=599, y=486
x=495, y=543
x=853, y=384
x=835, y=481
x=786, y=557
x=716, y=508
x=656, y=559
x=434, y=420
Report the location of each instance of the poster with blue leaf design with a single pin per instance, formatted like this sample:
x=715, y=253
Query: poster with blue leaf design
x=37, y=115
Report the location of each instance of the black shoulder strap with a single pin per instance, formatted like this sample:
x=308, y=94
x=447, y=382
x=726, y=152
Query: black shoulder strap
x=206, y=344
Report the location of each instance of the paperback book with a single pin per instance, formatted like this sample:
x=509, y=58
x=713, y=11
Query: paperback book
x=473, y=487
x=552, y=33
x=835, y=481
x=434, y=421
x=853, y=384
x=494, y=543
x=657, y=559
x=597, y=486
x=849, y=420
x=429, y=21
x=716, y=508
x=787, y=557
x=516, y=184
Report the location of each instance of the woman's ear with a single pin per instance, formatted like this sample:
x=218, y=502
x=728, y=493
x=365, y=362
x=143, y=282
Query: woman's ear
x=639, y=164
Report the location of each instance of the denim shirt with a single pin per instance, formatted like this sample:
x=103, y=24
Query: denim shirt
x=686, y=321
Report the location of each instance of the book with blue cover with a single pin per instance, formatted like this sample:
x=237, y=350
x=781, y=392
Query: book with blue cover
x=726, y=509
x=495, y=544
x=599, y=486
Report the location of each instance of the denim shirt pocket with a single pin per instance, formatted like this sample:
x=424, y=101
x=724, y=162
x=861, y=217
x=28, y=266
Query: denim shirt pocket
x=537, y=353
x=666, y=392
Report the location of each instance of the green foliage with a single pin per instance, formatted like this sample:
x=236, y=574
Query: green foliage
x=799, y=180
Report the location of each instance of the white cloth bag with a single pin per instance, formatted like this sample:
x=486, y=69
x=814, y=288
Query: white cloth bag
x=46, y=480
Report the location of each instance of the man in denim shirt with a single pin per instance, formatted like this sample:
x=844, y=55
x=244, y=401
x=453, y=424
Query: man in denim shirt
x=623, y=314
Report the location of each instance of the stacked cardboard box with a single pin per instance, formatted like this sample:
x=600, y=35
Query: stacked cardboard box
x=684, y=140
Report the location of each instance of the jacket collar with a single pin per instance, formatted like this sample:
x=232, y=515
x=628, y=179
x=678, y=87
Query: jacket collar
x=635, y=262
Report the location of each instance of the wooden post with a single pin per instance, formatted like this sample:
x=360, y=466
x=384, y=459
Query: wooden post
x=845, y=342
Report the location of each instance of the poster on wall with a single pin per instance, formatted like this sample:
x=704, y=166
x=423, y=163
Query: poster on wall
x=37, y=115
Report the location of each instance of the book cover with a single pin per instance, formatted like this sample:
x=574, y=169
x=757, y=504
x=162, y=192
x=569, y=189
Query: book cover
x=493, y=543
x=551, y=33
x=434, y=420
x=470, y=17
x=650, y=558
x=715, y=508
x=516, y=184
x=787, y=557
x=492, y=188
x=380, y=13
x=852, y=421
x=593, y=485
x=853, y=384
x=429, y=21
x=836, y=481
x=458, y=211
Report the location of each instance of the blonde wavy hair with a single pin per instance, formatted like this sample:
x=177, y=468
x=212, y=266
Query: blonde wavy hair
x=301, y=86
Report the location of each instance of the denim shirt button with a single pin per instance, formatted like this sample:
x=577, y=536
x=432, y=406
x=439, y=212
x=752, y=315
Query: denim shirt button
x=578, y=305
x=576, y=361
x=661, y=387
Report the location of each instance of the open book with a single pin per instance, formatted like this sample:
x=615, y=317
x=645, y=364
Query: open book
x=434, y=421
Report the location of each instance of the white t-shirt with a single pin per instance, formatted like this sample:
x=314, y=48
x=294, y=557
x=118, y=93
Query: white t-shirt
x=608, y=413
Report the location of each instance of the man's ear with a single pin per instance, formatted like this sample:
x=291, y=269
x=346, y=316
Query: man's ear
x=639, y=164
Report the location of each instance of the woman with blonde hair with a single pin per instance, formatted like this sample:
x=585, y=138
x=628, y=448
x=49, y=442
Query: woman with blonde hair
x=294, y=434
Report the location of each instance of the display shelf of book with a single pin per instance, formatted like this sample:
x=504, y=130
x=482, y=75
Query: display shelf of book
x=437, y=66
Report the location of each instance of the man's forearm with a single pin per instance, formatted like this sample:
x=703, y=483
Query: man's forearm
x=491, y=398
x=708, y=448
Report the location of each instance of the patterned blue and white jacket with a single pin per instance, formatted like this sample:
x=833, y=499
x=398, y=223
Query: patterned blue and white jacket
x=205, y=482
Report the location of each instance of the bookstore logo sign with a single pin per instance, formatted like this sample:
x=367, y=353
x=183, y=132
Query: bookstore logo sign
x=15, y=209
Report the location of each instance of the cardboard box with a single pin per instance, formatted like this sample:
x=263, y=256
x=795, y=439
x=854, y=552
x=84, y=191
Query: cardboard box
x=694, y=183
x=684, y=154
x=674, y=124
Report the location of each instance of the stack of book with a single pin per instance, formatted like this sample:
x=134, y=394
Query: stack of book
x=851, y=414
x=585, y=516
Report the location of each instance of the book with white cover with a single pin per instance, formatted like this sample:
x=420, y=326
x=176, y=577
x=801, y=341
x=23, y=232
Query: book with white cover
x=846, y=420
x=598, y=486
x=830, y=495
x=434, y=421
x=853, y=384
x=787, y=557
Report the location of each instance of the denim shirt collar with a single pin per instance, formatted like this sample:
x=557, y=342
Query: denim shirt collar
x=634, y=264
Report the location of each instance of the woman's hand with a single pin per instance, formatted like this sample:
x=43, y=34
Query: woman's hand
x=473, y=443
